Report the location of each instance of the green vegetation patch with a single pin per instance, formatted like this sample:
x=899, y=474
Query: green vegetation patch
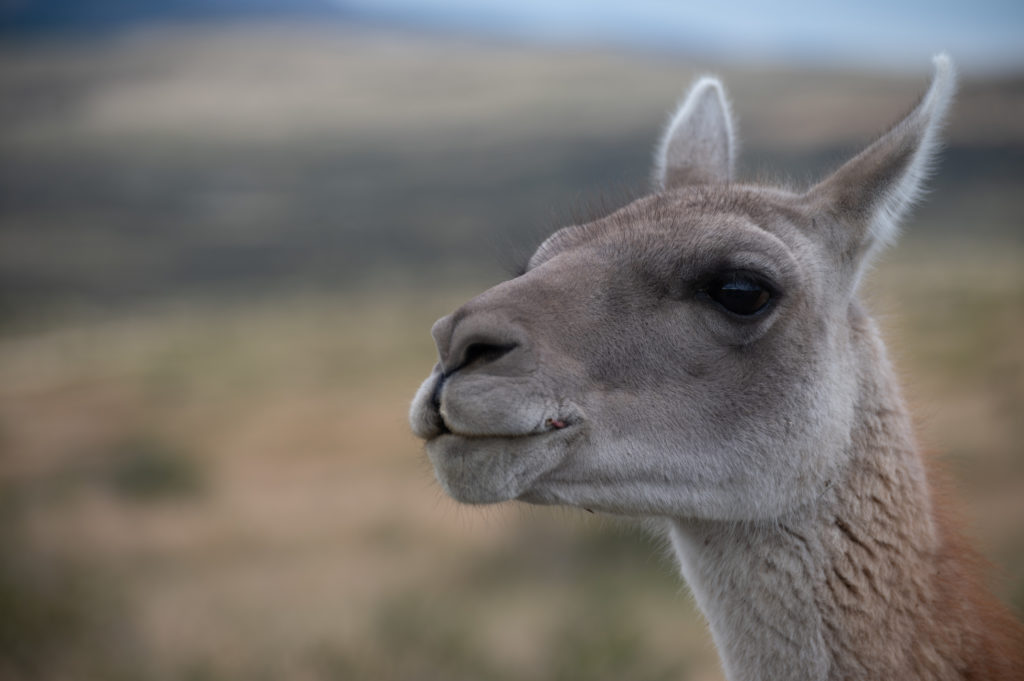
x=146, y=468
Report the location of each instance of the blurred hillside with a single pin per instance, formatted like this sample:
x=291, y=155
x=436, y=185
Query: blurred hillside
x=240, y=161
x=41, y=17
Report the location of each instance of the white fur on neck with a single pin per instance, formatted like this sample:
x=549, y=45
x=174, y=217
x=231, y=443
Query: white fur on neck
x=756, y=638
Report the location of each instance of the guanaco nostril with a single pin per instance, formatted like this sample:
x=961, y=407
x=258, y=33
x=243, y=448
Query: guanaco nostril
x=484, y=353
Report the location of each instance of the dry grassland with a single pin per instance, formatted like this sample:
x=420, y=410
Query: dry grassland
x=233, y=493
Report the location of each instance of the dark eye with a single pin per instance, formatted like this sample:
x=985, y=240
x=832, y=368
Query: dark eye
x=739, y=293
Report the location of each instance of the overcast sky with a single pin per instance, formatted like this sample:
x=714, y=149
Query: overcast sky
x=979, y=34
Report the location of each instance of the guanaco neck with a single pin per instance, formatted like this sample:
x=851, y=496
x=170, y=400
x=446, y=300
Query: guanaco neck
x=864, y=584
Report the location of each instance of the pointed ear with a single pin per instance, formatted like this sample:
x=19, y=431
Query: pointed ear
x=699, y=146
x=869, y=195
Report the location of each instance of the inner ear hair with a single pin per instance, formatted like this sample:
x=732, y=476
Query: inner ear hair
x=871, y=193
x=699, y=143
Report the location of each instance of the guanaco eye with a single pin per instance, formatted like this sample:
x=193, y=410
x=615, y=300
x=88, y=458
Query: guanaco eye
x=739, y=293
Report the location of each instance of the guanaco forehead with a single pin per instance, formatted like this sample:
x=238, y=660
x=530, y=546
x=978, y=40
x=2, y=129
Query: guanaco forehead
x=692, y=233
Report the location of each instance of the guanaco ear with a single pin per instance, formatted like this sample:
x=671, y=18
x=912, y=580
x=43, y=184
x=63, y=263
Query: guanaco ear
x=869, y=195
x=698, y=146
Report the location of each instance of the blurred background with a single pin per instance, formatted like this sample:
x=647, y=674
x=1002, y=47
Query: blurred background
x=227, y=225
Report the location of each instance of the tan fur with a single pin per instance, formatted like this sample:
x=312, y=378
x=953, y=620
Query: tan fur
x=898, y=591
x=774, y=447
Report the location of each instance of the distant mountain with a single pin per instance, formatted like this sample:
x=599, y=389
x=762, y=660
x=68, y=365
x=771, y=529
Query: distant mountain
x=40, y=16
